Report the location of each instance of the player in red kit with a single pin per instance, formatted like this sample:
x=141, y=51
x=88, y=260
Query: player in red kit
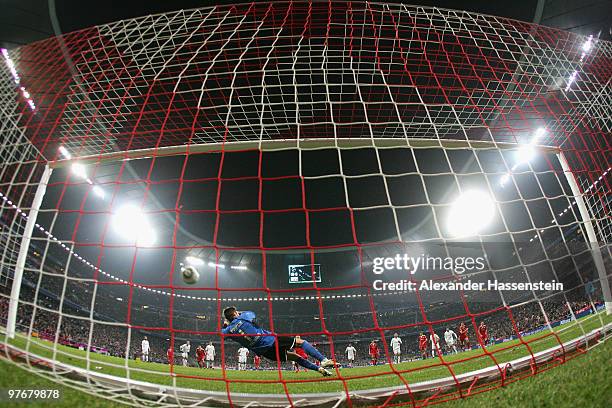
x=170, y=356
x=257, y=361
x=300, y=352
x=483, y=333
x=464, y=340
x=200, y=356
x=423, y=345
x=374, y=352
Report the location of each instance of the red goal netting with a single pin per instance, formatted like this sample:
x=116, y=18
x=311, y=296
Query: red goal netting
x=288, y=151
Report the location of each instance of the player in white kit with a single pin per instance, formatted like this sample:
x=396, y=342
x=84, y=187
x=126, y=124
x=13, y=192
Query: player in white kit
x=450, y=337
x=210, y=354
x=435, y=343
x=396, y=345
x=145, y=349
x=243, y=353
x=350, y=354
x=185, y=348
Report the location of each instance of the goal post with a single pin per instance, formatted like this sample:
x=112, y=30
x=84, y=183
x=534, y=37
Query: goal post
x=590, y=231
x=24, y=247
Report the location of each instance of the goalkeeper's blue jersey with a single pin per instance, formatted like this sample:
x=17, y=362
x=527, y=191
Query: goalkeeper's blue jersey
x=251, y=336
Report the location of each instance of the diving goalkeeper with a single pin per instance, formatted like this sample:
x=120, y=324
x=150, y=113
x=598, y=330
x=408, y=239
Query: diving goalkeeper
x=242, y=328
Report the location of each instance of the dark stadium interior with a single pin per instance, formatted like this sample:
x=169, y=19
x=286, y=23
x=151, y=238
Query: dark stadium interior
x=25, y=21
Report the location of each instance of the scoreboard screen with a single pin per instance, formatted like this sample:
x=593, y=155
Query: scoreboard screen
x=304, y=273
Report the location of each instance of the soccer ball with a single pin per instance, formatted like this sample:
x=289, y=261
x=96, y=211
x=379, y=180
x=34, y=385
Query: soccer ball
x=190, y=275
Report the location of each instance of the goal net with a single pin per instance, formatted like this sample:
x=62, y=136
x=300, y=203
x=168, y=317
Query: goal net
x=346, y=171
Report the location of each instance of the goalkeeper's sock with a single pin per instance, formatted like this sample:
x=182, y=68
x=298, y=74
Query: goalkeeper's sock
x=307, y=364
x=312, y=352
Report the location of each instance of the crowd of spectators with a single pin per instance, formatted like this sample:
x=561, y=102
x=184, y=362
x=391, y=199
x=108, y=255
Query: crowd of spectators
x=76, y=328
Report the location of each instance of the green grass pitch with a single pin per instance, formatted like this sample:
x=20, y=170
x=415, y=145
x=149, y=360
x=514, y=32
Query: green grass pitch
x=581, y=382
x=376, y=376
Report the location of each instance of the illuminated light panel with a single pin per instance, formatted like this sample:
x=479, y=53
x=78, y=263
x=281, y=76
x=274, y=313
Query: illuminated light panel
x=98, y=191
x=215, y=265
x=11, y=66
x=194, y=261
x=79, y=170
x=65, y=152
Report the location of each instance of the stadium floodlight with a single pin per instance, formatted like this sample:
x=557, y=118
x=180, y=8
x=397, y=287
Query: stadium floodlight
x=132, y=224
x=525, y=153
x=216, y=265
x=79, y=170
x=239, y=267
x=470, y=213
x=194, y=261
x=588, y=44
x=505, y=178
x=65, y=152
x=11, y=66
x=99, y=191
x=541, y=131
x=571, y=80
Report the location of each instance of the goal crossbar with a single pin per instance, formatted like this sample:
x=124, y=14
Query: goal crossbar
x=290, y=144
